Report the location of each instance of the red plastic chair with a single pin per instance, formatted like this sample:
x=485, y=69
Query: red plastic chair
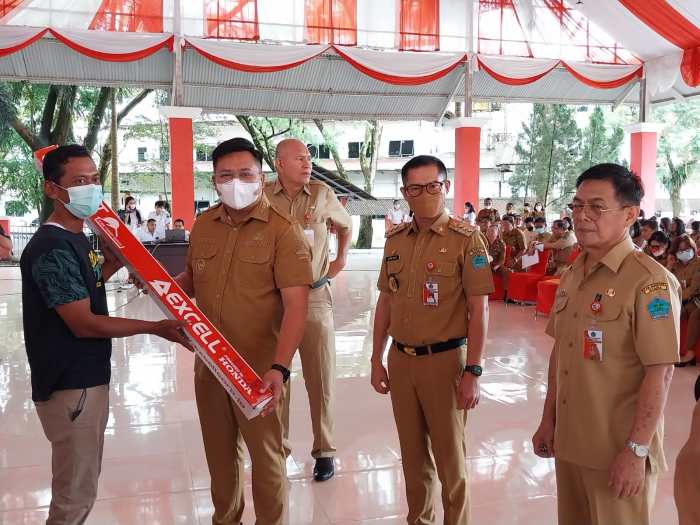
x=522, y=286
x=498, y=284
x=546, y=292
x=574, y=253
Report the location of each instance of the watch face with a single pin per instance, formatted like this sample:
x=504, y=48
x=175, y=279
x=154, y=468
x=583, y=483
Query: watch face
x=474, y=369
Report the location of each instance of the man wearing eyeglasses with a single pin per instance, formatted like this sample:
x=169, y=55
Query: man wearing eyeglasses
x=317, y=209
x=249, y=268
x=434, y=284
x=615, y=325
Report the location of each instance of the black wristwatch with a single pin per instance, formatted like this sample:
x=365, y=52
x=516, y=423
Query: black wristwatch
x=474, y=370
x=282, y=370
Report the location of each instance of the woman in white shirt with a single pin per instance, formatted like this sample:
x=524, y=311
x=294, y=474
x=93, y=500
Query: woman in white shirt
x=469, y=213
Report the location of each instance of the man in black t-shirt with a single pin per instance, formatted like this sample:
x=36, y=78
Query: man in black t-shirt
x=68, y=331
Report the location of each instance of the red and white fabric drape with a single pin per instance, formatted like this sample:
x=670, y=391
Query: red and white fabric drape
x=129, y=15
x=330, y=22
x=419, y=25
x=231, y=19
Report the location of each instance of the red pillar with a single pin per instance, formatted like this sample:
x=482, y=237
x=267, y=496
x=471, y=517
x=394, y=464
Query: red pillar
x=467, y=157
x=181, y=161
x=643, y=139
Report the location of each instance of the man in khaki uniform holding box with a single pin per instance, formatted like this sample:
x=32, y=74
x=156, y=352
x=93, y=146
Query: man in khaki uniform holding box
x=615, y=324
x=248, y=267
x=434, y=282
x=316, y=207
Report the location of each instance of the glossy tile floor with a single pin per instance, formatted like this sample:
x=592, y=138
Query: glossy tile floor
x=154, y=470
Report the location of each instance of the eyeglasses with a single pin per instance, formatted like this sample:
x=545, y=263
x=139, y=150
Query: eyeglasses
x=433, y=188
x=593, y=211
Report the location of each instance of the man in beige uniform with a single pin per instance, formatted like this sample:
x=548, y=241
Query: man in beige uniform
x=561, y=245
x=434, y=282
x=615, y=324
x=515, y=239
x=316, y=207
x=248, y=267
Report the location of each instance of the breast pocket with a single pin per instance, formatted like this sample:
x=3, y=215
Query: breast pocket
x=444, y=273
x=613, y=323
x=254, y=268
x=203, y=259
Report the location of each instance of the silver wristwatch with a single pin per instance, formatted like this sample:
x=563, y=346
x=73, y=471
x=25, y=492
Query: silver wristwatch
x=639, y=450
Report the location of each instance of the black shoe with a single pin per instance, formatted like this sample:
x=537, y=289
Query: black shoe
x=323, y=470
x=683, y=364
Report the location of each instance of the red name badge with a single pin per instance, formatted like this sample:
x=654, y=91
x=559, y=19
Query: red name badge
x=593, y=344
x=430, y=293
x=235, y=375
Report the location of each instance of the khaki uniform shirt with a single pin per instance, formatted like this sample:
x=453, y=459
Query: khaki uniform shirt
x=497, y=251
x=543, y=237
x=452, y=254
x=687, y=276
x=238, y=271
x=516, y=240
x=315, y=207
x=561, y=249
x=640, y=319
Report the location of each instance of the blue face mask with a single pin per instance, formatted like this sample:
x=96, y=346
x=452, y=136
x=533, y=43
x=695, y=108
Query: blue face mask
x=540, y=230
x=84, y=200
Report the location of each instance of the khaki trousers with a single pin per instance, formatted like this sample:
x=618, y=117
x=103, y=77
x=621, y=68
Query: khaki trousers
x=424, y=399
x=317, y=352
x=224, y=429
x=76, y=450
x=584, y=498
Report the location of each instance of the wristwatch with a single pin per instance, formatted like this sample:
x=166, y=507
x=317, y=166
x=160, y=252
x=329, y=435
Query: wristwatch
x=639, y=450
x=474, y=370
x=282, y=370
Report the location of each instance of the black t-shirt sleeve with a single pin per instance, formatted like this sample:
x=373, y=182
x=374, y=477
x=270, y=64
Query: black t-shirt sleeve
x=58, y=277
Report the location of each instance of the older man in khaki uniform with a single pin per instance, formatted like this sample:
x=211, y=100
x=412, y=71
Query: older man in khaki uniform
x=515, y=240
x=434, y=282
x=561, y=245
x=615, y=323
x=316, y=207
x=248, y=267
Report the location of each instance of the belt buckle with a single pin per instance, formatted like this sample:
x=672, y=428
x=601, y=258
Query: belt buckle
x=409, y=350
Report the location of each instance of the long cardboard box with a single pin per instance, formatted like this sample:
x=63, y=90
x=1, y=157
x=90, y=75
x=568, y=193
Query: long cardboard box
x=227, y=365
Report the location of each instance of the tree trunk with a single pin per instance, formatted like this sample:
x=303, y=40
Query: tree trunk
x=549, y=167
x=364, y=238
x=334, y=151
x=97, y=117
x=115, y=155
x=675, y=194
x=373, y=134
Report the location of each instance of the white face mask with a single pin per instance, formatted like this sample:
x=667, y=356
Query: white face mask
x=239, y=195
x=686, y=255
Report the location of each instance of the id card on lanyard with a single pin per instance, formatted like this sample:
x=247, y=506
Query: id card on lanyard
x=593, y=336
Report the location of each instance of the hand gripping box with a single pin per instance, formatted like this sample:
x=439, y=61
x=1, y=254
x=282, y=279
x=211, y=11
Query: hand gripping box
x=227, y=365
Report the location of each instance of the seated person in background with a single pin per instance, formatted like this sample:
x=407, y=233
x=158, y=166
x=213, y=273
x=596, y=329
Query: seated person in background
x=649, y=226
x=527, y=210
x=568, y=223
x=484, y=224
x=687, y=267
x=677, y=228
x=636, y=234
x=179, y=224
x=561, y=244
x=394, y=217
x=541, y=233
x=665, y=226
x=695, y=231
x=538, y=211
x=516, y=240
x=496, y=248
x=150, y=234
x=5, y=245
x=686, y=480
x=658, y=246
x=469, y=213
x=487, y=212
x=510, y=209
x=528, y=228
x=130, y=215
x=162, y=218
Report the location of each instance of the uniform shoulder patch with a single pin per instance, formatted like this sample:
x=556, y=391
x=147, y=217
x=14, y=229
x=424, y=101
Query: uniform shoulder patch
x=396, y=229
x=655, y=287
x=461, y=227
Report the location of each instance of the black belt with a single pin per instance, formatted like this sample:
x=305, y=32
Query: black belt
x=323, y=280
x=436, y=348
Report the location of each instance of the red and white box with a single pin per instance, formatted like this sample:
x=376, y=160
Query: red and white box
x=235, y=375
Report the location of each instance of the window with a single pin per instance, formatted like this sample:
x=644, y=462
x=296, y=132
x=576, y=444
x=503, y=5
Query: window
x=204, y=152
x=231, y=19
x=324, y=152
x=142, y=154
x=401, y=148
x=354, y=150
x=313, y=150
x=331, y=21
x=128, y=15
x=419, y=28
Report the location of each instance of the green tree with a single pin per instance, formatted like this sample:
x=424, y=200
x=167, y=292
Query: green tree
x=548, y=152
x=679, y=147
x=369, y=155
x=599, y=143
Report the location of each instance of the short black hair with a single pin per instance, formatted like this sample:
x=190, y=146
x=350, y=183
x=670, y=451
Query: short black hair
x=528, y=220
x=527, y=205
x=179, y=220
x=628, y=186
x=635, y=229
x=507, y=218
x=149, y=221
x=650, y=223
x=128, y=199
x=661, y=237
x=540, y=220
x=695, y=226
x=55, y=160
x=420, y=161
x=559, y=223
x=235, y=145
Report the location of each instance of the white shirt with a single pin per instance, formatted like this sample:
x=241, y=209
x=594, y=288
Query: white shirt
x=162, y=222
x=470, y=217
x=145, y=236
x=396, y=216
